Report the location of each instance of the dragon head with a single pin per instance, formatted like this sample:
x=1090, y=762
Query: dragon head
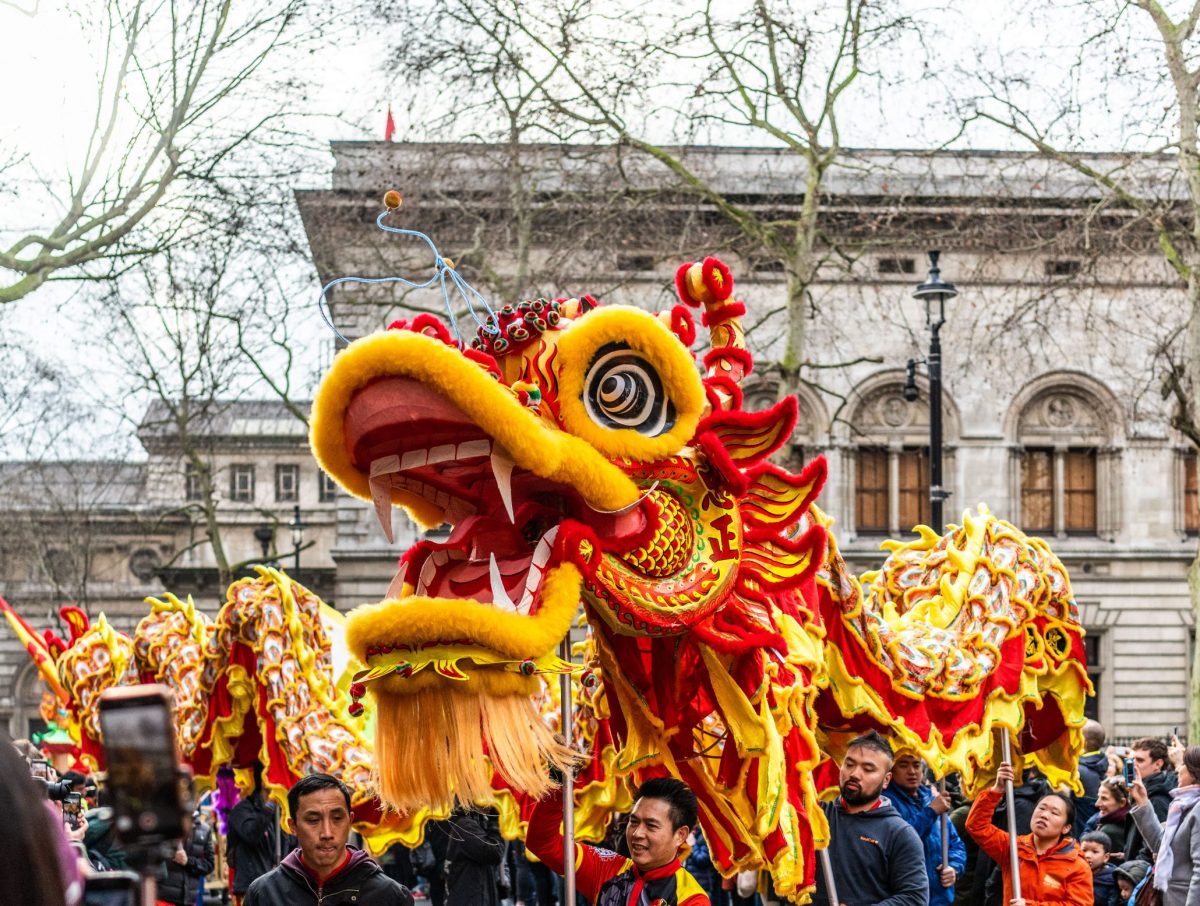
x=576, y=454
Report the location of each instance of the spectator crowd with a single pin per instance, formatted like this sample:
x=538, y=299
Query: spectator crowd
x=896, y=838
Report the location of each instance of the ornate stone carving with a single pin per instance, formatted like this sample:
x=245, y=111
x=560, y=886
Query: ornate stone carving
x=1060, y=411
x=894, y=411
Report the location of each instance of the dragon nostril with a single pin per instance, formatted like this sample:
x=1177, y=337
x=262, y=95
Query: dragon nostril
x=673, y=543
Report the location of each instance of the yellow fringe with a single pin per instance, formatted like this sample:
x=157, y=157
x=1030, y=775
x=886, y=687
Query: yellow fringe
x=429, y=747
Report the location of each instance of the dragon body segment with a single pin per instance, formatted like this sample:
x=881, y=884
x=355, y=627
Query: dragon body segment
x=257, y=683
x=578, y=455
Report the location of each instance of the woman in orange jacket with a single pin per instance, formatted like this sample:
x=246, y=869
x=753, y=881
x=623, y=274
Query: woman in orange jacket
x=1053, y=872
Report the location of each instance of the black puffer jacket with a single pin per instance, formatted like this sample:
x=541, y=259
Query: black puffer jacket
x=473, y=858
x=361, y=883
x=180, y=884
x=252, y=826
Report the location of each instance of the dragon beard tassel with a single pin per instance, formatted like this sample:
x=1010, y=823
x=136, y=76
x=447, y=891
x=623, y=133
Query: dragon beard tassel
x=433, y=746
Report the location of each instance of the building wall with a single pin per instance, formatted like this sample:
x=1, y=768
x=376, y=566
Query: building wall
x=1053, y=306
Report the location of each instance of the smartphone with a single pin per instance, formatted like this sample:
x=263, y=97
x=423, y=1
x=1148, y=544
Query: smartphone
x=144, y=776
x=72, y=808
x=1130, y=772
x=112, y=888
x=41, y=769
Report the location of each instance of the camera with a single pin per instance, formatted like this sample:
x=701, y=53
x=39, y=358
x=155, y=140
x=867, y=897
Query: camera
x=60, y=790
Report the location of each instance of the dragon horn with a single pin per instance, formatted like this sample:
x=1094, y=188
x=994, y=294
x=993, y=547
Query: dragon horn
x=710, y=283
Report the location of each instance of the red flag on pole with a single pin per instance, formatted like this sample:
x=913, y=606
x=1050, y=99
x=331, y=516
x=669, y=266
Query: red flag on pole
x=389, y=128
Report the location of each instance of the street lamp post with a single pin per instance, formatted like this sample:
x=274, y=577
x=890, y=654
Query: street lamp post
x=297, y=528
x=934, y=292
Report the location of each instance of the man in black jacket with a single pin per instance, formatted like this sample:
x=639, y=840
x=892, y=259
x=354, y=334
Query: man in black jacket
x=877, y=858
x=256, y=841
x=179, y=881
x=323, y=869
x=473, y=858
x=1093, y=766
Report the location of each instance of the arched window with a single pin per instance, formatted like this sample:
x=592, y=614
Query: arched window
x=889, y=456
x=1066, y=432
x=27, y=702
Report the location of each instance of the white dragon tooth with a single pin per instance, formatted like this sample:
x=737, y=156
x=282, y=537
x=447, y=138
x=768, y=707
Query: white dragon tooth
x=444, y=453
x=500, y=596
x=502, y=467
x=381, y=494
x=542, y=554
x=526, y=600
x=414, y=458
x=396, y=589
x=428, y=572
x=472, y=448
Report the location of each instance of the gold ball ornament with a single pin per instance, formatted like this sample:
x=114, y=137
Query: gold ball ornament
x=392, y=199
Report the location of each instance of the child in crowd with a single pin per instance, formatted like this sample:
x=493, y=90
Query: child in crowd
x=1129, y=875
x=1095, y=847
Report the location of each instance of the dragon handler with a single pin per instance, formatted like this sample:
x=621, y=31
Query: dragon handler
x=664, y=813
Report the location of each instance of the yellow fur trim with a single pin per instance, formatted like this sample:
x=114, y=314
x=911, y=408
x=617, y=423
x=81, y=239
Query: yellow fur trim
x=417, y=620
x=552, y=454
x=661, y=348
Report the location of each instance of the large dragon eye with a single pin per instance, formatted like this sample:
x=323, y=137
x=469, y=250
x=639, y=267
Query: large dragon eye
x=623, y=390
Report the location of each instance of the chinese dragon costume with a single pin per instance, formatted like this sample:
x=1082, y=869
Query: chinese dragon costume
x=582, y=462
x=579, y=456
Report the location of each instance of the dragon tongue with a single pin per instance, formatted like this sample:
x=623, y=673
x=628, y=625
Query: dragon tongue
x=502, y=468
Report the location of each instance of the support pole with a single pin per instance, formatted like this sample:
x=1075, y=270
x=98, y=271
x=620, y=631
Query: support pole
x=567, y=704
x=945, y=824
x=1013, y=863
x=827, y=871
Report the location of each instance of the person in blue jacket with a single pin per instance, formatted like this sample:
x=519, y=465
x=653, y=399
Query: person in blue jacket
x=922, y=806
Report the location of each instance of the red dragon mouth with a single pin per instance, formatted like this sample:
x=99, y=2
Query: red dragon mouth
x=506, y=520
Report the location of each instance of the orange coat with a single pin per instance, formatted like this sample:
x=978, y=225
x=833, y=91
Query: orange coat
x=1057, y=877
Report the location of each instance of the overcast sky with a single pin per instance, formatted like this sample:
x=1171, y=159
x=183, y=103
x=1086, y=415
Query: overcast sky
x=344, y=88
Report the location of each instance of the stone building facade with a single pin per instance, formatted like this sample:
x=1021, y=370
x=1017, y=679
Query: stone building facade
x=103, y=536
x=1053, y=353
x=1053, y=348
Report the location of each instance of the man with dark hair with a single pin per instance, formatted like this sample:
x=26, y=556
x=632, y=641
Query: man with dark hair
x=323, y=869
x=1153, y=763
x=877, y=858
x=663, y=815
x=1153, y=767
x=918, y=804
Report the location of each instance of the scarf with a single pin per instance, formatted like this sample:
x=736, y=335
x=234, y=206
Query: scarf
x=663, y=871
x=1182, y=800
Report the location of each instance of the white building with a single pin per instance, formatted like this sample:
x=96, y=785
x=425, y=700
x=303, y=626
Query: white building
x=1053, y=415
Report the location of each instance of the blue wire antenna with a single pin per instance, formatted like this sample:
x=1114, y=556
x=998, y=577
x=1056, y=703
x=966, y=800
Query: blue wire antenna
x=444, y=275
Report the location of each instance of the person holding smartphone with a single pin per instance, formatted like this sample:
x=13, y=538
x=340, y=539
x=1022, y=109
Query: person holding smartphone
x=1175, y=841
